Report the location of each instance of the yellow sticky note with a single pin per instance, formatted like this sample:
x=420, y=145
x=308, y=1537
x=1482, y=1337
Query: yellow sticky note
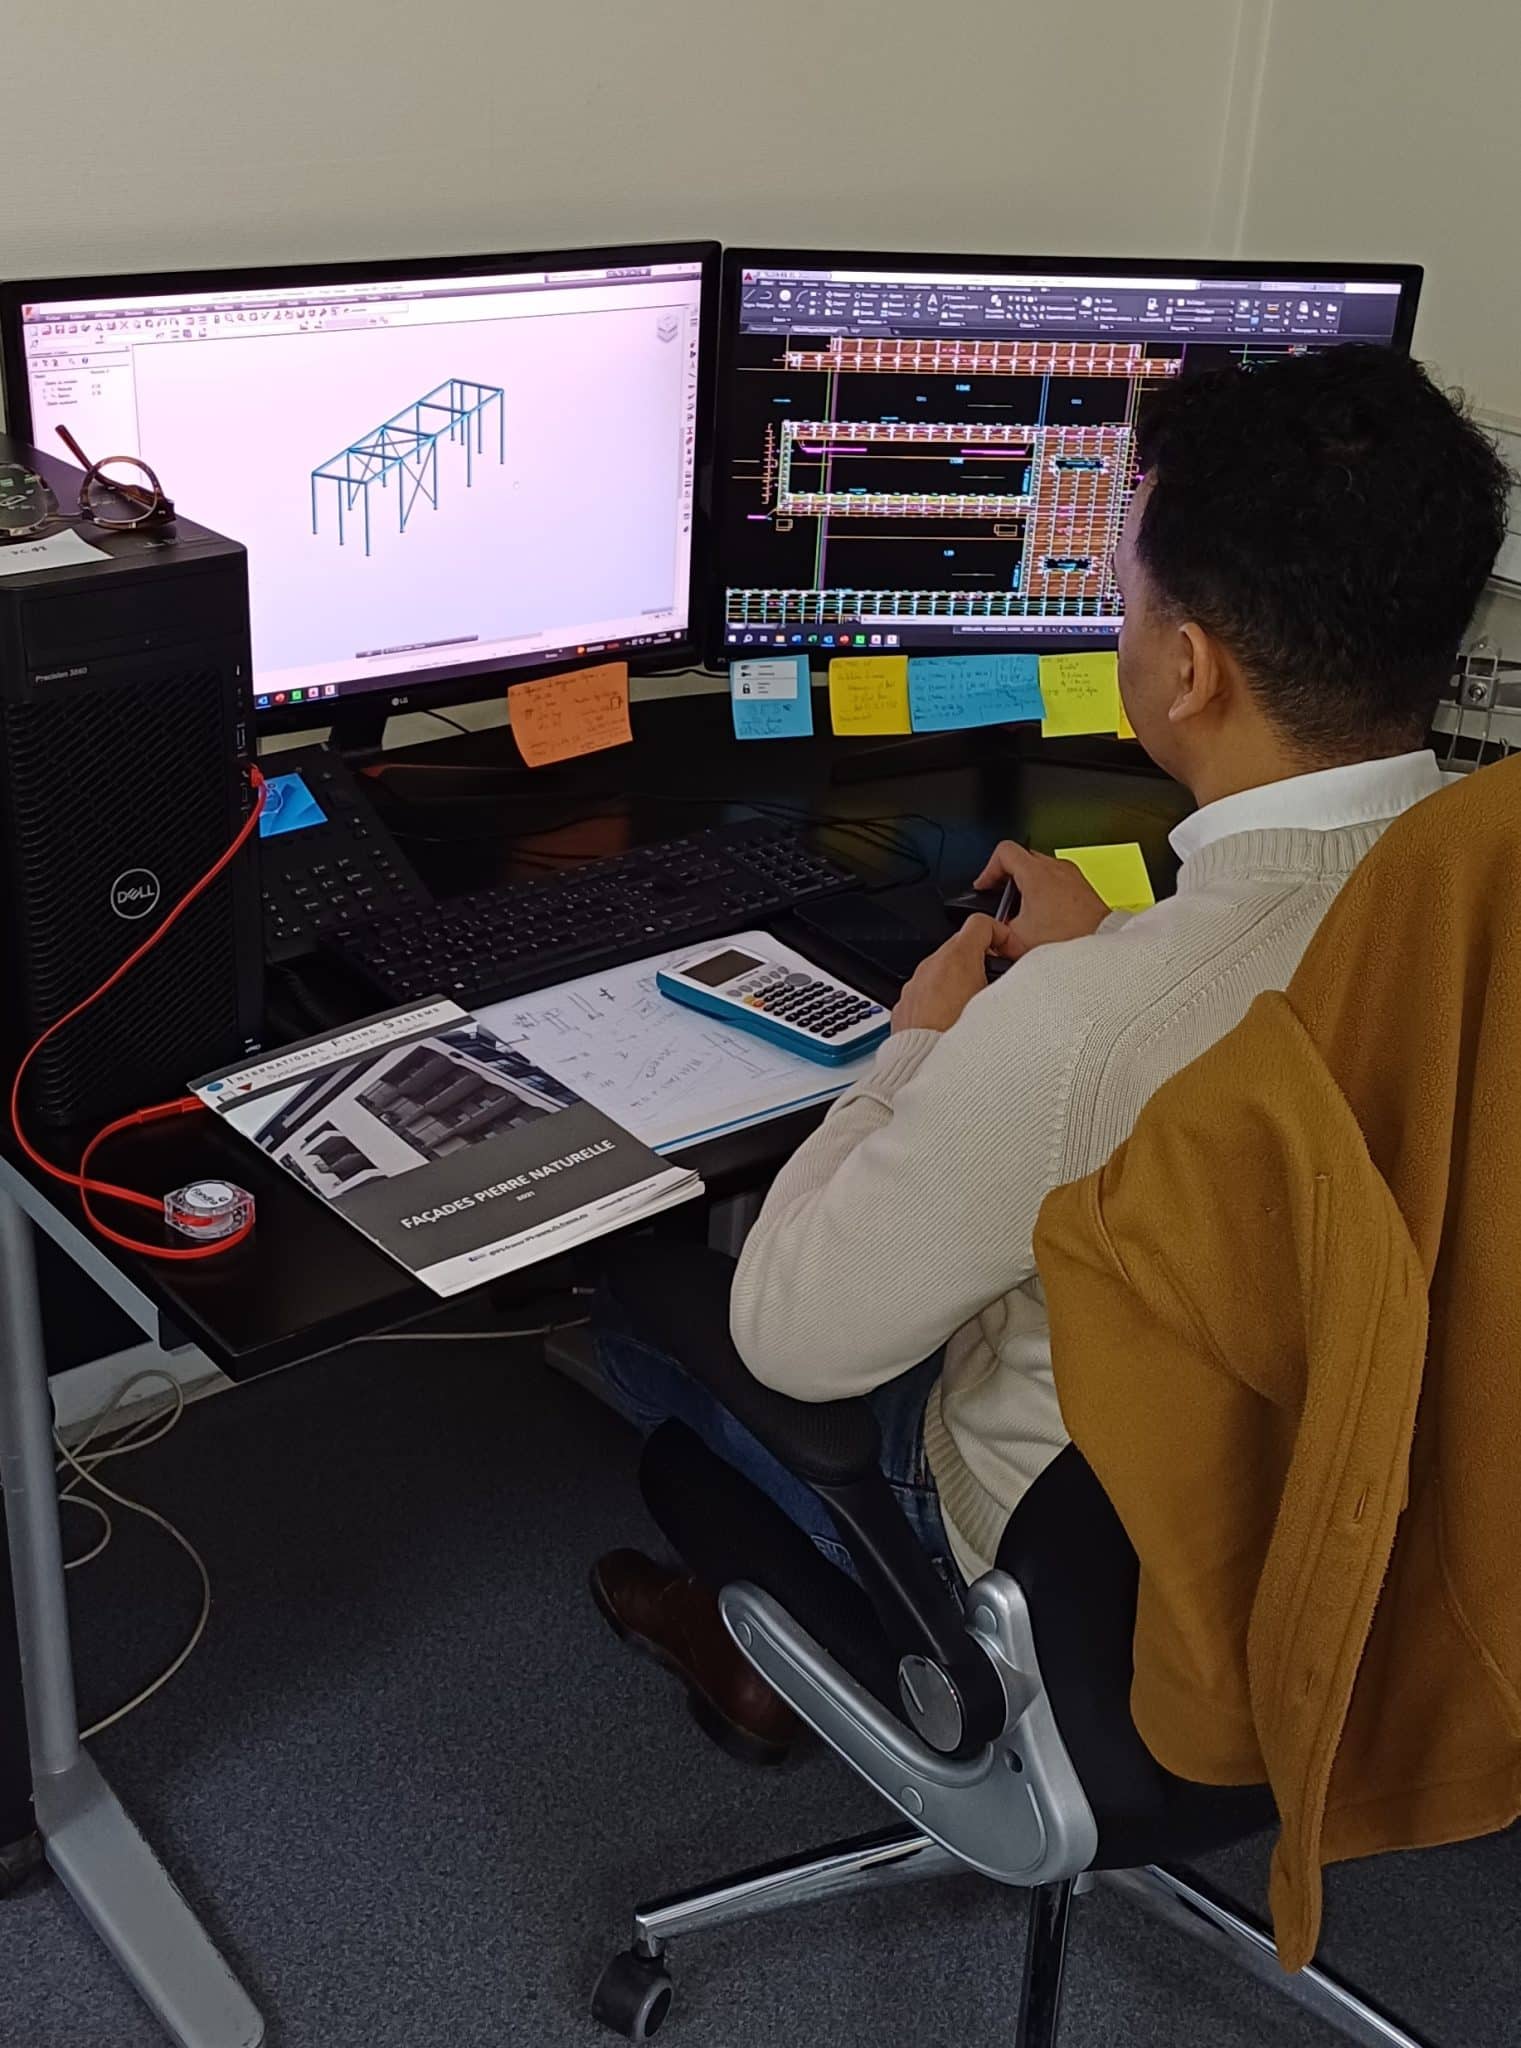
x=1125, y=729
x=1117, y=872
x=1081, y=693
x=868, y=693
x=579, y=713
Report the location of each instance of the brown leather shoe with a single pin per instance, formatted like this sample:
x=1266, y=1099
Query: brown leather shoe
x=674, y=1619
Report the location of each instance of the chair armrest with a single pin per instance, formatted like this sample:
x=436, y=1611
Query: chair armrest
x=676, y=1297
x=1013, y=1809
x=834, y=1446
x=949, y=1689
x=681, y=1301
x=826, y=1443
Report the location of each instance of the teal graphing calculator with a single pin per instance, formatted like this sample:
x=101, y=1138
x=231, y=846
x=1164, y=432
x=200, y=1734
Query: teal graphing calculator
x=807, y=1011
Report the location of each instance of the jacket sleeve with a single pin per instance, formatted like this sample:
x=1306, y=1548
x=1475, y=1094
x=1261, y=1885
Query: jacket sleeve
x=911, y=1208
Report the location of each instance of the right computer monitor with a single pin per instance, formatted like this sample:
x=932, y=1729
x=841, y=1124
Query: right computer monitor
x=934, y=454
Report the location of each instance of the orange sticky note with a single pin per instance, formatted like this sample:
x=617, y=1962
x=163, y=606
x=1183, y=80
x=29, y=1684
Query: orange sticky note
x=579, y=713
x=868, y=693
x=1081, y=693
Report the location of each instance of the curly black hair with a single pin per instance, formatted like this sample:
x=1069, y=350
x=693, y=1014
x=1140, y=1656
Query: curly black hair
x=1331, y=519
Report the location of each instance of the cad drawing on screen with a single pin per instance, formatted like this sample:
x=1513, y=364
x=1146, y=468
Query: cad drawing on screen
x=404, y=448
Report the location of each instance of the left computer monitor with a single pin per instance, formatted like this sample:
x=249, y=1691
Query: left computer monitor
x=448, y=474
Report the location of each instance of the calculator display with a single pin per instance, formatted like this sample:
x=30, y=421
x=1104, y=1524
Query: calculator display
x=722, y=967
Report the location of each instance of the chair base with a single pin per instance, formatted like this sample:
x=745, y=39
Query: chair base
x=1040, y=1997
x=891, y=1856
x=1189, y=1905
x=634, y=1994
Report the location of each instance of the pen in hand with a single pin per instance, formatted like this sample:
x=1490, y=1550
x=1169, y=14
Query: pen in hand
x=998, y=962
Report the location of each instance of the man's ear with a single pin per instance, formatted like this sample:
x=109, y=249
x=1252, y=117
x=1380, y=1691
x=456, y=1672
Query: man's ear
x=1199, y=678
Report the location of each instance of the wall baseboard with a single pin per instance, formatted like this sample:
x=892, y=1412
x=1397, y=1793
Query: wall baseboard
x=80, y=1394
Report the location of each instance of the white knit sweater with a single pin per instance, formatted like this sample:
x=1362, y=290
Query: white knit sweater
x=905, y=1221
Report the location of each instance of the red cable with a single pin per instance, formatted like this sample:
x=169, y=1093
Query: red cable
x=181, y=1106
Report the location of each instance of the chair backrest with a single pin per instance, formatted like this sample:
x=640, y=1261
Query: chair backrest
x=1068, y=1551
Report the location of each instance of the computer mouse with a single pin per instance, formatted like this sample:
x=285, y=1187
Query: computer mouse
x=959, y=908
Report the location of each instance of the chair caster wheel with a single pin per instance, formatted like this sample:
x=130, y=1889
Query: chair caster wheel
x=633, y=1995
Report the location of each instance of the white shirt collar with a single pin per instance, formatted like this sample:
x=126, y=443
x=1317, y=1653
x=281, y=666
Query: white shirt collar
x=1359, y=794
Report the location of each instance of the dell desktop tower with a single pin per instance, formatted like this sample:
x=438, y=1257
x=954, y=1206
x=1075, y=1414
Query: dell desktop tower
x=125, y=742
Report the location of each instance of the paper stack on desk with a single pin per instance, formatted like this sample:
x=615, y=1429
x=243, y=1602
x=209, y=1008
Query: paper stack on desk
x=460, y=1157
x=666, y=1073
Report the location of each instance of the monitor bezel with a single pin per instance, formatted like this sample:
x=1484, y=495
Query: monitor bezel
x=473, y=680
x=1408, y=276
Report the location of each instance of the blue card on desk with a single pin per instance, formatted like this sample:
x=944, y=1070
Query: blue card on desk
x=953, y=693
x=772, y=697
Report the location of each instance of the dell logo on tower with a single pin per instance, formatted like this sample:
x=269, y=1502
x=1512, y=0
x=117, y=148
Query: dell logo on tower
x=135, y=892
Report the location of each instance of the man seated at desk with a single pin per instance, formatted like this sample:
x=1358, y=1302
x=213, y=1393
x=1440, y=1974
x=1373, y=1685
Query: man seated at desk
x=1297, y=566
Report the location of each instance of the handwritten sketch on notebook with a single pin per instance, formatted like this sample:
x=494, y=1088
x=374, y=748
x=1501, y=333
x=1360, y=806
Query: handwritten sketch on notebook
x=666, y=1073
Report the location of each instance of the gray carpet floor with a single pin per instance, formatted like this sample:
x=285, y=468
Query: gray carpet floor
x=413, y=1785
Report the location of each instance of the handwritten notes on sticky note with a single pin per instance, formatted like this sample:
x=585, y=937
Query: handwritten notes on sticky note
x=868, y=693
x=579, y=713
x=956, y=692
x=772, y=699
x=1081, y=693
x=1117, y=872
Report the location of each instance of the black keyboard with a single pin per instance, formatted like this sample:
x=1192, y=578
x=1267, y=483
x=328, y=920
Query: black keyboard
x=525, y=935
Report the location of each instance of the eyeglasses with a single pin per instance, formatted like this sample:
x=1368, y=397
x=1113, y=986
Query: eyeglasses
x=119, y=493
x=27, y=504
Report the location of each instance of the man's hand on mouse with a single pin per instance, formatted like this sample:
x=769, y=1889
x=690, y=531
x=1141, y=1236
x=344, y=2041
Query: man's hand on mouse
x=1056, y=900
x=943, y=984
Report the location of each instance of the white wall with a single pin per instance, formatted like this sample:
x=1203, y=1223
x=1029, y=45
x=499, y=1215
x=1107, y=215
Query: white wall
x=148, y=134
x=1393, y=128
x=316, y=129
x=170, y=133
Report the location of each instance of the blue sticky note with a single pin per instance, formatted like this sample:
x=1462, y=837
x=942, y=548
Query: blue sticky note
x=771, y=697
x=951, y=693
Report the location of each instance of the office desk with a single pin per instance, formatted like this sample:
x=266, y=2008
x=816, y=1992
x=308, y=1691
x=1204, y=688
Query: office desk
x=306, y=1283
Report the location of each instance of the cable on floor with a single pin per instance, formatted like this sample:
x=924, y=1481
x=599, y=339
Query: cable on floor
x=83, y=1463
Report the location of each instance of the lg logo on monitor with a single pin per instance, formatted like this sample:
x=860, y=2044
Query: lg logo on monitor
x=135, y=892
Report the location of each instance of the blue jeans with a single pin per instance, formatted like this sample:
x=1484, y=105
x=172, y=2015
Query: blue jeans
x=650, y=1387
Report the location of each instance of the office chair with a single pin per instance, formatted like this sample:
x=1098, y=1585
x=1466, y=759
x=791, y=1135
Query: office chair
x=1000, y=1732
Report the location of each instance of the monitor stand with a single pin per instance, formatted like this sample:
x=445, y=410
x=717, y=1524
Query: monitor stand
x=357, y=732
x=470, y=765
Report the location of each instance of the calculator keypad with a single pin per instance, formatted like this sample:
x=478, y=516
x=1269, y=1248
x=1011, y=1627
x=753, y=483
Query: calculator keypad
x=822, y=1008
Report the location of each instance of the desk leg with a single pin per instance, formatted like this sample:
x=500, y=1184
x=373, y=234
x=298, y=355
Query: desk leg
x=111, y=1873
x=20, y=1843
